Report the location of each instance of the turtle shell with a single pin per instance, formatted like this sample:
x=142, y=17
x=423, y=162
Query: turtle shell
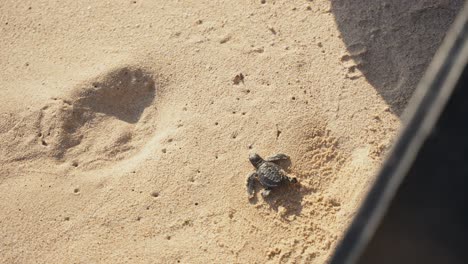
x=270, y=175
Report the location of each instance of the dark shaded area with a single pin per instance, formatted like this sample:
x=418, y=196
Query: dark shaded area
x=427, y=221
x=417, y=209
x=392, y=42
x=288, y=196
x=124, y=93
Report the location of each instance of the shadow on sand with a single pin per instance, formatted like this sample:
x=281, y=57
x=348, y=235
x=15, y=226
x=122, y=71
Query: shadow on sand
x=288, y=196
x=393, y=42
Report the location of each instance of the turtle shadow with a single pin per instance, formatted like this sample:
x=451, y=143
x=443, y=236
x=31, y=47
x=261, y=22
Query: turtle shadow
x=289, y=197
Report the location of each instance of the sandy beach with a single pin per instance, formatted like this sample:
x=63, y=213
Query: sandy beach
x=126, y=126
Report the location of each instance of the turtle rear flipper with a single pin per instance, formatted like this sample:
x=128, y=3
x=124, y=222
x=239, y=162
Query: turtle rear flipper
x=251, y=184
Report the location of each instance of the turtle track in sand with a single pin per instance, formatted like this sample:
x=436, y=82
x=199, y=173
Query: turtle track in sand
x=102, y=120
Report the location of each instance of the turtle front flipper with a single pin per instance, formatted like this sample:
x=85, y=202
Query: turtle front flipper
x=251, y=184
x=278, y=157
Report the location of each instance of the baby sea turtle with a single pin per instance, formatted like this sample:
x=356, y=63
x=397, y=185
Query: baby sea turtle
x=268, y=173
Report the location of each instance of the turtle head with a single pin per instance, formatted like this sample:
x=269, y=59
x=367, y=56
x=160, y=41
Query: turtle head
x=256, y=160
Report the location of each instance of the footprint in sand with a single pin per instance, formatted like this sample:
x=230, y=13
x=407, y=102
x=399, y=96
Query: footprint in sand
x=101, y=121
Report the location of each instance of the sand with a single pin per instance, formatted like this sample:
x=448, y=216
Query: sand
x=125, y=132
